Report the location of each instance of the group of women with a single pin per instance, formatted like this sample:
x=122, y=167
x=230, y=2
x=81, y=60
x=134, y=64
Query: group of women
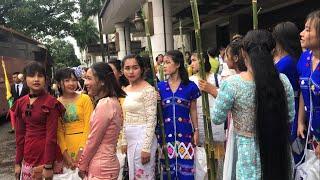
x=273, y=94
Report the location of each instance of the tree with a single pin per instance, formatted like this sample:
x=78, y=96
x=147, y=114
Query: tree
x=38, y=18
x=90, y=8
x=63, y=54
x=85, y=33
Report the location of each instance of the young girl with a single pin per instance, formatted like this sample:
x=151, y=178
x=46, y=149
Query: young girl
x=36, y=116
x=262, y=104
x=179, y=104
x=140, y=109
x=99, y=160
x=73, y=129
x=286, y=55
x=309, y=79
x=210, y=86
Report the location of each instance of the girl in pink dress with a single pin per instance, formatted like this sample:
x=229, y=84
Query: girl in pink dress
x=99, y=160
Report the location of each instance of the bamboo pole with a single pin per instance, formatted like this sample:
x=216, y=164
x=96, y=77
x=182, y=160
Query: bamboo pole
x=159, y=109
x=205, y=100
x=182, y=44
x=255, y=14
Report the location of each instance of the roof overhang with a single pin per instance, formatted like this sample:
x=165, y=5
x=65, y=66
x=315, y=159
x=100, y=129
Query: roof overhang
x=117, y=11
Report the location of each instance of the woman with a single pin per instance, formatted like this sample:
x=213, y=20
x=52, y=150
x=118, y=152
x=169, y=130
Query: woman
x=36, y=116
x=179, y=104
x=309, y=76
x=262, y=103
x=116, y=68
x=140, y=110
x=286, y=55
x=73, y=128
x=209, y=86
x=99, y=160
x=234, y=57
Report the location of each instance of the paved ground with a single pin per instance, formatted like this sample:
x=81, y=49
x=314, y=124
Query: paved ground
x=7, y=152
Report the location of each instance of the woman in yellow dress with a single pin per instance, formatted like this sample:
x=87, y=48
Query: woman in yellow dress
x=74, y=128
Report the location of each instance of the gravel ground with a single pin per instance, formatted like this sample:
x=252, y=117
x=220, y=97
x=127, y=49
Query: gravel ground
x=7, y=152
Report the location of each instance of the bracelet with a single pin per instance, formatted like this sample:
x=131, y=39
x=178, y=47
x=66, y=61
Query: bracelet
x=48, y=166
x=196, y=129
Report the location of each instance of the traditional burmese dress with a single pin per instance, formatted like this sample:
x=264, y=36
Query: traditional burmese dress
x=36, y=132
x=74, y=127
x=140, y=114
x=99, y=157
x=178, y=128
x=238, y=95
x=288, y=66
x=310, y=82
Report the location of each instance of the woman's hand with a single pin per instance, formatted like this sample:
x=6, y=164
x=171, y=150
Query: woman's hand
x=124, y=149
x=301, y=129
x=207, y=87
x=17, y=171
x=196, y=137
x=82, y=174
x=317, y=150
x=47, y=174
x=79, y=155
x=145, y=157
x=68, y=160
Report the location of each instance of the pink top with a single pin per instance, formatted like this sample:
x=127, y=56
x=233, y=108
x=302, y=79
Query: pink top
x=99, y=156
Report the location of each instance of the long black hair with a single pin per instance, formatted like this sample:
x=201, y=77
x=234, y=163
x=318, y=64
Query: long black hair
x=105, y=74
x=62, y=74
x=287, y=35
x=177, y=58
x=271, y=107
x=117, y=64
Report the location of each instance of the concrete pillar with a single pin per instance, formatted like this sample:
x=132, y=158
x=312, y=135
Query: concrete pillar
x=128, y=39
x=162, y=39
x=122, y=40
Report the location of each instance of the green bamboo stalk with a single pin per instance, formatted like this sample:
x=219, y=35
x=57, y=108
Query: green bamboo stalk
x=182, y=43
x=255, y=14
x=159, y=109
x=205, y=99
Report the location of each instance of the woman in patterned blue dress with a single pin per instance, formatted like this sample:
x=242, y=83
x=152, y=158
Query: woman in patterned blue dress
x=309, y=76
x=178, y=98
x=262, y=103
x=286, y=55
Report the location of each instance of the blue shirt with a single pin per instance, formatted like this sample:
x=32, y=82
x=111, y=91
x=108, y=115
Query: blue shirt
x=310, y=82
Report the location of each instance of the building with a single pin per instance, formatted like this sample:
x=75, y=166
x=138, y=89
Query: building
x=220, y=20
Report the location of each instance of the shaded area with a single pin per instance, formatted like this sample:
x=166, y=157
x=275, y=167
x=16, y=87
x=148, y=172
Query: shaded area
x=7, y=151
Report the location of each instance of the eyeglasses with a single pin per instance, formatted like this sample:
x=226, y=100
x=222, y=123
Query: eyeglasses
x=28, y=110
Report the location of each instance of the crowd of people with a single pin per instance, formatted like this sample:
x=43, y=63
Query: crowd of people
x=264, y=97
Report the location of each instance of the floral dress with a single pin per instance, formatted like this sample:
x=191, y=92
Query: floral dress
x=178, y=128
x=238, y=95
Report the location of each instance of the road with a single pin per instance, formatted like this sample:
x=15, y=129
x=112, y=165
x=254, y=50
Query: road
x=7, y=152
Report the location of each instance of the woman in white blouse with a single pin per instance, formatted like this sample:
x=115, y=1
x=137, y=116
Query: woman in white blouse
x=140, y=109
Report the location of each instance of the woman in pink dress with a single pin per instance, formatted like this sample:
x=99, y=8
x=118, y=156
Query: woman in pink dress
x=99, y=160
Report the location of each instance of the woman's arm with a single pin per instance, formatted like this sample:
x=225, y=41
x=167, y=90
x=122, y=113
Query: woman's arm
x=301, y=118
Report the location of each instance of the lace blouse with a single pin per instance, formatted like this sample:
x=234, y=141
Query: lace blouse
x=140, y=108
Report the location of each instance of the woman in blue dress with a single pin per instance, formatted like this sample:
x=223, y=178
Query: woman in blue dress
x=286, y=55
x=262, y=103
x=309, y=78
x=179, y=103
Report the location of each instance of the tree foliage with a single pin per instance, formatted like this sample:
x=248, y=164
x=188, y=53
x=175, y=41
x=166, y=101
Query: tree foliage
x=39, y=18
x=63, y=54
x=90, y=7
x=85, y=33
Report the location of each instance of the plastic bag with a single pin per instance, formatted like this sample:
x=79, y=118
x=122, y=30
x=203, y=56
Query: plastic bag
x=310, y=169
x=68, y=174
x=200, y=163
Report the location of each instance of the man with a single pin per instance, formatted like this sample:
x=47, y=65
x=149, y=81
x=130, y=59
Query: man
x=18, y=89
